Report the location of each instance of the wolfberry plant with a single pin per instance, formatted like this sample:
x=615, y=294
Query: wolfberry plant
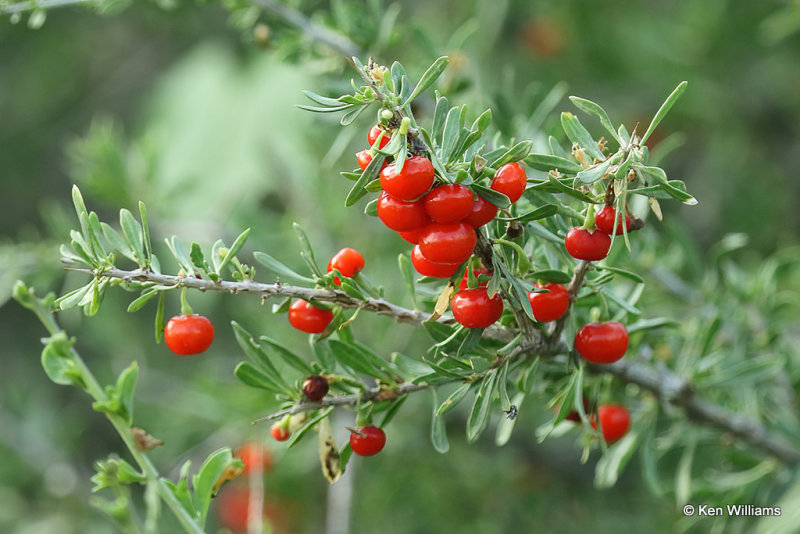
x=501, y=231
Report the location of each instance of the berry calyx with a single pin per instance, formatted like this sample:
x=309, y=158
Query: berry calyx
x=447, y=242
x=373, y=134
x=279, y=432
x=602, y=342
x=474, y=309
x=367, y=441
x=315, y=387
x=399, y=215
x=308, y=318
x=511, y=180
x=449, y=203
x=254, y=454
x=428, y=268
x=476, y=272
x=614, y=421
x=483, y=212
x=348, y=262
x=411, y=181
x=604, y=220
x=549, y=306
x=583, y=244
x=188, y=334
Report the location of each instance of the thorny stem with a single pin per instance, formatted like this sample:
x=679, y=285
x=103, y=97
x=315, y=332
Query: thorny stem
x=665, y=384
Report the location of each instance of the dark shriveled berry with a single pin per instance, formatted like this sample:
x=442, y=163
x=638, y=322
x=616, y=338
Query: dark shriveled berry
x=315, y=387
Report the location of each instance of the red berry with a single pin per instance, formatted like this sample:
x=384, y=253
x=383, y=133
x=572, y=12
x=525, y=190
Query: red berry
x=449, y=203
x=465, y=281
x=367, y=441
x=447, y=242
x=348, y=262
x=308, y=318
x=614, y=421
x=364, y=158
x=411, y=181
x=574, y=416
x=401, y=216
x=549, y=306
x=279, y=432
x=602, y=342
x=253, y=454
x=233, y=503
x=483, y=212
x=315, y=387
x=474, y=309
x=412, y=236
x=373, y=134
x=585, y=245
x=428, y=268
x=510, y=179
x=188, y=334
x=604, y=220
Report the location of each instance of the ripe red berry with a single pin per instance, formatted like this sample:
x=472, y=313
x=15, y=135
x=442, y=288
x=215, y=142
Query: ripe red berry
x=188, y=334
x=308, y=318
x=549, y=306
x=483, y=212
x=602, y=342
x=233, y=503
x=373, y=134
x=401, y=216
x=465, y=281
x=367, y=441
x=254, y=454
x=449, y=203
x=428, y=268
x=585, y=245
x=474, y=309
x=412, y=236
x=279, y=432
x=364, y=158
x=510, y=179
x=604, y=220
x=411, y=181
x=315, y=387
x=348, y=262
x=447, y=242
x=614, y=421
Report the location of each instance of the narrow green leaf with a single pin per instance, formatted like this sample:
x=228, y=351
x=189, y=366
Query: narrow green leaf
x=660, y=177
x=360, y=359
x=369, y=174
x=288, y=356
x=146, y=296
x=256, y=353
x=556, y=277
x=323, y=109
x=322, y=100
x=454, y=398
x=279, y=268
x=253, y=377
x=133, y=232
x=562, y=187
x=428, y=78
x=578, y=134
x=407, y=270
x=479, y=417
x=612, y=463
x=159, y=326
x=546, y=162
x=116, y=241
x=587, y=106
x=233, y=251
x=542, y=212
x=439, y=116
x=126, y=385
x=595, y=172
x=452, y=126
x=206, y=479
x=506, y=425
x=650, y=324
x=622, y=272
x=490, y=195
x=77, y=201
x=438, y=430
x=71, y=299
x=515, y=153
x=148, y=247
x=297, y=435
x=664, y=109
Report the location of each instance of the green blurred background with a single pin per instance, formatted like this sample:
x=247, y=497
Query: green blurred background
x=183, y=110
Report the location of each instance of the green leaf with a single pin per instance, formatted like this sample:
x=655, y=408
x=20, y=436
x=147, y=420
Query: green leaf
x=556, y=277
x=622, y=272
x=288, y=356
x=515, y=153
x=323, y=109
x=298, y=434
x=612, y=463
x=454, y=398
x=452, y=126
x=116, y=241
x=59, y=367
x=660, y=177
x=349, y=117
x=322, y=100
x=305, y=246
x=369, y=174
x=360, y=359
x=664, y=109
x=159, y=326
x=407, y=270
x=438, y=430
x=439, y=115
x=578, y=134
x=126, y=385
x=391, y=411
x=438, y=331
x=206, y=479
x=77, y=201
x=255, y=352
x=595, y=172
x=279, y=268
x=134, y=234
x=198, y=258
x=562, y=187
x=181, y=255
x=253, y=377
x=234, y=250
x=148, y=247
x=587, y=106
x=428, y=78
x=479, y=417
x=506, y=425
x=490, y=195
x=546, y=162
x=71, y=299
x=548, y=210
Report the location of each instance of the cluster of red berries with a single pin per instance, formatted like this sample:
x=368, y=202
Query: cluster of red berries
x=594, y=244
